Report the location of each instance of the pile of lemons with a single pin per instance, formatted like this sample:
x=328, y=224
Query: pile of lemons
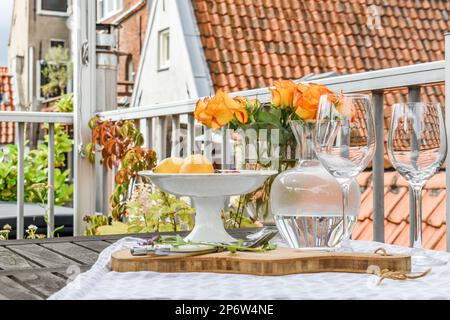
x=196, y=163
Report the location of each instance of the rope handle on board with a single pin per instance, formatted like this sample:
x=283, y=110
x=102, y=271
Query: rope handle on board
x=396, y=275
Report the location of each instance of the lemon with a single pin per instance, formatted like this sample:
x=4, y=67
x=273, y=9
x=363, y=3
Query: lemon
x=169, y=165
x=197, y=164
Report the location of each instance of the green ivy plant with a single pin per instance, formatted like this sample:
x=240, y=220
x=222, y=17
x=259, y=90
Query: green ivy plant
x=36, y=171
x=65, y=104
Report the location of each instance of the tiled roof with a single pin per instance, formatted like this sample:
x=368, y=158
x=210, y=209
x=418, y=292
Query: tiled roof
x=396, y=211
x=6, y=128
x=251, y=43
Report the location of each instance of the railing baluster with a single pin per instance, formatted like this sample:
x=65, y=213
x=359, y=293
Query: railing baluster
x=107, y=182
x=413, y=96
x=20, y=179
x=148, y=133
x=447, y=121
x=99, y=183
x=190, y=134
x=224, y=148
x=378, y=168
x=208, y=141
x=175, y=149
x=161, y=130
x=51, y=181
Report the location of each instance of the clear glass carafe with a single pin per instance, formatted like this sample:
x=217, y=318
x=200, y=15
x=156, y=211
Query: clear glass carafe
x=306, y=201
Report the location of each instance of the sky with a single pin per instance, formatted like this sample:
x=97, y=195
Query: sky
x=5, y=22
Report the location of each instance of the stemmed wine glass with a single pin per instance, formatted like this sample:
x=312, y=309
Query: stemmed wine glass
x=417, y=147
x=345, y=143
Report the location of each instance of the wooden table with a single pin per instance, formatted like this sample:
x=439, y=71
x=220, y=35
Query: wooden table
x=35, y=269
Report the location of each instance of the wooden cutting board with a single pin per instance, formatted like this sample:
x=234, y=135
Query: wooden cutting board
x=281, y=261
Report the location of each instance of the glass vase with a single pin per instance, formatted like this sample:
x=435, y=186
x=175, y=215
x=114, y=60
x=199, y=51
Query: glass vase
x=306, y=201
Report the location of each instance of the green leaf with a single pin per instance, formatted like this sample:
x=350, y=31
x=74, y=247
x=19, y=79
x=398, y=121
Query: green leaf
x=267, y=117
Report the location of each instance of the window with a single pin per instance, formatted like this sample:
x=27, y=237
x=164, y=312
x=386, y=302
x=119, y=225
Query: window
x=130, y=69
x=54, y=43
x=53, y=7
x=129, y=74
x=43, y=80
x=108, y=8
x=164, y=49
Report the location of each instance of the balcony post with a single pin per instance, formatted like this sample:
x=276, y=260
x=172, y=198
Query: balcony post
x=106, y=99
x=447, y=121
x=84, y=44
x=378, y=168
x=51, y=181
x=20, y=140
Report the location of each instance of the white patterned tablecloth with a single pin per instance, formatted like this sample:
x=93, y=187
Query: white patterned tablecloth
x=101, y=283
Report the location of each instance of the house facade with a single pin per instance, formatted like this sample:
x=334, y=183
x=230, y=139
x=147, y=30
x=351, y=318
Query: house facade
x=36, y=26
x=173, y=56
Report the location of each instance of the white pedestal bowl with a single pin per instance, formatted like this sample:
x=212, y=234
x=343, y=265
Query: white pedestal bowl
x=208, y=193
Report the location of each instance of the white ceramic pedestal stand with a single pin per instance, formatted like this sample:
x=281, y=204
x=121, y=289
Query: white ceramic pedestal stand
x=208, y=193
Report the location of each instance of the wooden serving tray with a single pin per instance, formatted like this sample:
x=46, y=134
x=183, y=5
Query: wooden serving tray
x=282, y=261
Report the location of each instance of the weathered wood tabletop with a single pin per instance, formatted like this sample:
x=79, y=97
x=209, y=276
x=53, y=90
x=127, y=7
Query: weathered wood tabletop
x=35, y=269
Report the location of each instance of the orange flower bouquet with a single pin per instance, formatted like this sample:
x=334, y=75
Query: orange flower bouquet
x=289, y=102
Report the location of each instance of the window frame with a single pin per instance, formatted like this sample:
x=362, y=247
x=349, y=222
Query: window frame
x=166, y=65
x=110, y=13
x=40, y=11
x=57, y=40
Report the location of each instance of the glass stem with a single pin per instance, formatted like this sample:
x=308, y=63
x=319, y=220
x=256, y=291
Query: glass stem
x=417, y=196
x=345, y=193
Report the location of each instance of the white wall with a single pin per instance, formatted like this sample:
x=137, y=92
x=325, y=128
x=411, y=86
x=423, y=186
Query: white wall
x=177, y=82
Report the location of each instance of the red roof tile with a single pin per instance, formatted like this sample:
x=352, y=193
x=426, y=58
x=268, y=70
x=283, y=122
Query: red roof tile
x=396, y=211
x=316, y=36
x=6, y=104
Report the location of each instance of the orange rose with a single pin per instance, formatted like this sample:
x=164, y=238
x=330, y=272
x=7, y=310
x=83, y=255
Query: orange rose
x=200, y=112
x=283, y=93
x=306, y=99
x=241, y=113
x=236, y=106
x=219, y=110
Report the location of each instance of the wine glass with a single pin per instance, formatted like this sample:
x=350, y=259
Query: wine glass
x=417, y=147
x=345, y=144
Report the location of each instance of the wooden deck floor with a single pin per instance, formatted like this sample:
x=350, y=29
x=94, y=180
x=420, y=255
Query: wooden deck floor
x=35, y=269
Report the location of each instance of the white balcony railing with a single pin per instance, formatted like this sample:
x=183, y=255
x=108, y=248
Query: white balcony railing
x=21, y=118
x=157, y=120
